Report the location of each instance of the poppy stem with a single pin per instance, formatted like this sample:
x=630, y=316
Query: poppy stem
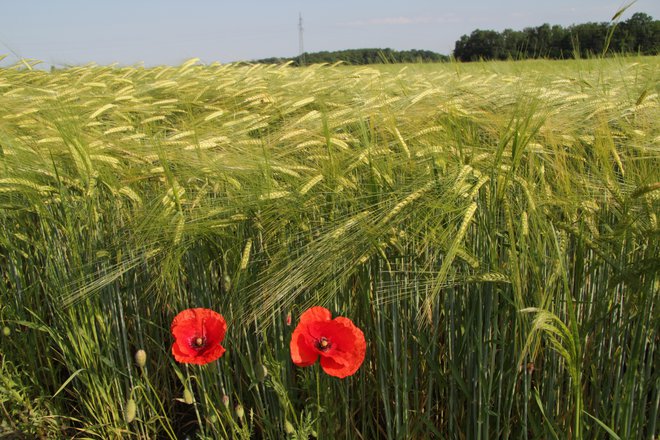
x=190, y=379
x=318, y=401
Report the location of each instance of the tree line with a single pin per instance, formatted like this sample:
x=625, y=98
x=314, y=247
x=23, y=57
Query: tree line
x=639, y=34
x=362, y=56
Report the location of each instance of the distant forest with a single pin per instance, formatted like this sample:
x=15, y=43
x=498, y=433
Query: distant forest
x=639, y=34
x=362, y=56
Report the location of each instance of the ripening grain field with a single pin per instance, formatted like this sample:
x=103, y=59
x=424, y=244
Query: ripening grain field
x=492, y=228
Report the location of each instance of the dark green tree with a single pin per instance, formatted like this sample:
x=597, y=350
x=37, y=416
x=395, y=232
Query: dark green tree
x=639, y=34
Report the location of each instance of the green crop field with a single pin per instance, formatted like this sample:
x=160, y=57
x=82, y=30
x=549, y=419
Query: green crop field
x=492, y=228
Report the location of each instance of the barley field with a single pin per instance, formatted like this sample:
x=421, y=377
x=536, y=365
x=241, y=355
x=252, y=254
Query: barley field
x=491, y=227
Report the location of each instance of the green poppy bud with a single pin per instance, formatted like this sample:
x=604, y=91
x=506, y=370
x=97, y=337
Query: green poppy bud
x=227, y=283
x=240, y=412
x=141, y=358
x=225, y=400
x=188, y=396
x=288, y=428
x=261, y=372
x=6, y=331
x=130, y=411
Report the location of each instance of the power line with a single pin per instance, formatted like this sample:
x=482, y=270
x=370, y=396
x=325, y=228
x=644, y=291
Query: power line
x=301, y=46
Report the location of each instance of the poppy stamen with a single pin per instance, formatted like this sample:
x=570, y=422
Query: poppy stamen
x=323, y=344
x=199, y=342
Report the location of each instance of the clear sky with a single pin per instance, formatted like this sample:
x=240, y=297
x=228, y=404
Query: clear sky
x=62, y=32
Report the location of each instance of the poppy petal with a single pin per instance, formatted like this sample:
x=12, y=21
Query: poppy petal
x=184, y=325
x=358, y=340
x=302, y=353
x=333, y=368
x=207, y=356
x=315, y=314
x=348, y=347
x=214, y=329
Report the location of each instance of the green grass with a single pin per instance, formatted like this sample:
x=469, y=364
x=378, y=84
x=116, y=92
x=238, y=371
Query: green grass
x=492, y=228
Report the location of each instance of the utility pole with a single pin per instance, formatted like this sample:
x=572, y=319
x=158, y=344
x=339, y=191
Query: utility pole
x=301, y=46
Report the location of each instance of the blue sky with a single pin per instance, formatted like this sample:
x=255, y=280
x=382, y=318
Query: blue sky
x=156, y=32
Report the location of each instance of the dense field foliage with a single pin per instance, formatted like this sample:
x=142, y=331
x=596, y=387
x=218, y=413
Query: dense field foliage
x=491, y=227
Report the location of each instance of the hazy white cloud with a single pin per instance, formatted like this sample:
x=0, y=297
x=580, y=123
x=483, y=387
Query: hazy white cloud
x=400, y=21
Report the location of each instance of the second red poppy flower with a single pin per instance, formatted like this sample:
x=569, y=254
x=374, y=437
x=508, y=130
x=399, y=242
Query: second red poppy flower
x=338, y=342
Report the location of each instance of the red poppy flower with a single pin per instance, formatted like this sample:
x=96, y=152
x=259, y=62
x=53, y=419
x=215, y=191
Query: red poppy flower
x=197, y=336
x=339, y=343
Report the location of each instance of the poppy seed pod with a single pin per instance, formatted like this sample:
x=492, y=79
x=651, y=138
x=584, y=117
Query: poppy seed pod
x=240, y=412
x=141, y=358
x=188, y=396
x=288, y=428
x=130, y=411
x=6, y=331
x=261, y=372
